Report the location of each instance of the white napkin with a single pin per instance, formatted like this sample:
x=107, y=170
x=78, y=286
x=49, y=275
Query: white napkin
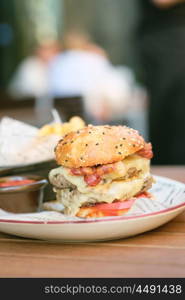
x=20, y=144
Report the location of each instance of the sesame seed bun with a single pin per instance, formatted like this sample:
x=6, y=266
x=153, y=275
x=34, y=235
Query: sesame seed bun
x=93, y=145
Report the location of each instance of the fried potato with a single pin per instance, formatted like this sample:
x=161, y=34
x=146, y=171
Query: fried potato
x=46, y=130
x=61, y=129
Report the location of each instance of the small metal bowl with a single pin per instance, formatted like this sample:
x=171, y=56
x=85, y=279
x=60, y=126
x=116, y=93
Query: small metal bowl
x=22, y=198
x=39, y=168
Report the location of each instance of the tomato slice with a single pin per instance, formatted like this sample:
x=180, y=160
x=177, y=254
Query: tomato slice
x=110, y=209
x=115, y=205
x=117, y=208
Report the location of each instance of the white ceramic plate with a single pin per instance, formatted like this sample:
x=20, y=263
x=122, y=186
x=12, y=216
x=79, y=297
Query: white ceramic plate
x=145, y=215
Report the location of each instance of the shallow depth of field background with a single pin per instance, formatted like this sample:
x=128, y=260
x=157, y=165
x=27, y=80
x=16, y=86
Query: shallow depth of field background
x=56, y=52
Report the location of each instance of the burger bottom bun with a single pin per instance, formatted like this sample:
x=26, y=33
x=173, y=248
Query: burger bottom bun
x=89, y=212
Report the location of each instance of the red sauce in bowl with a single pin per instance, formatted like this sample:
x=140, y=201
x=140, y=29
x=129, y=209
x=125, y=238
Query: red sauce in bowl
x=19, y=182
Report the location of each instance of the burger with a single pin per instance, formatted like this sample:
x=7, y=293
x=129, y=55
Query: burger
x=102, y=170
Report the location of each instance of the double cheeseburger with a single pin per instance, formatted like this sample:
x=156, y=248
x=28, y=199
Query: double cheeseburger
x=103, y=169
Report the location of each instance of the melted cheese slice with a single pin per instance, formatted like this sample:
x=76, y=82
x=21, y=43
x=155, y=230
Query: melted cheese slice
x=116, y=190
x=103, y=192
x=133, y=161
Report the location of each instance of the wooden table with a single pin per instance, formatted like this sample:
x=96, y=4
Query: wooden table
x=159, y=253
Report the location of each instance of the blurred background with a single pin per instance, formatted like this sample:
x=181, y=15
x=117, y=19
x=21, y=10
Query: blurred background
x=116, y=62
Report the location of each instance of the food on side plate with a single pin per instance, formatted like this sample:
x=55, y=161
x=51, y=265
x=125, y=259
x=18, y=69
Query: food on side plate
x=61, y=129
x=22, y=144
x=103, y=169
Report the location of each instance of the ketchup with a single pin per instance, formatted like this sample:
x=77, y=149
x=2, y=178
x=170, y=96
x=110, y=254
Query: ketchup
x=18, y=182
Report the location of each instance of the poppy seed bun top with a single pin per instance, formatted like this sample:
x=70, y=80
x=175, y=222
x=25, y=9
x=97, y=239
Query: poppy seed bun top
x=93, y=145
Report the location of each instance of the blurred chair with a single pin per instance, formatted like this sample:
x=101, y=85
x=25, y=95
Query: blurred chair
x=69, y=107
x=23, y=110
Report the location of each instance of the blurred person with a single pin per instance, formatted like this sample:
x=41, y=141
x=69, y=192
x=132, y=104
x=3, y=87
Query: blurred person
x=81, y=40
x=162, y=47
x=108, y=100
x=117, y=99
x=78, y=66
x=31, y=78
x=84, y=69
